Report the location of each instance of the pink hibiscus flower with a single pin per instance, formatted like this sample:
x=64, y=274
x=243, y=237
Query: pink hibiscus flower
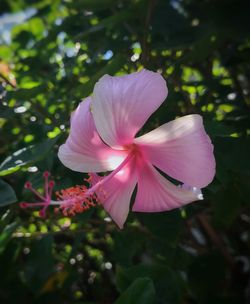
x=102, y=138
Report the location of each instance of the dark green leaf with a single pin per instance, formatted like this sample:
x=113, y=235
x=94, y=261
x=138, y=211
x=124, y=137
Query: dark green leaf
x=6, y=234
x=141, y=291
x=165, y=225
x=7, y=194
x=168, y=284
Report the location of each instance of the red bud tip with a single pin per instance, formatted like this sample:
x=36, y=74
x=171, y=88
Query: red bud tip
x=23, y=205
x=51, y=184
x=42, y=213
x=27, y=185
x=46, y=174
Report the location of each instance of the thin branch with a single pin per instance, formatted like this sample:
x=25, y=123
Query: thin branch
x=144, y=41
x=7, y=81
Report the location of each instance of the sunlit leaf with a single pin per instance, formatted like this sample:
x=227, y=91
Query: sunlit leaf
x=26, y=156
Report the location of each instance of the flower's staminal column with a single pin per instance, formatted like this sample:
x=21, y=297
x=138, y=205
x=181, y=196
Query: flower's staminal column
x=75, y=199
x=78, y=199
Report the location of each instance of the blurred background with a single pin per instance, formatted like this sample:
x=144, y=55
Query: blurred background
x=51, y=55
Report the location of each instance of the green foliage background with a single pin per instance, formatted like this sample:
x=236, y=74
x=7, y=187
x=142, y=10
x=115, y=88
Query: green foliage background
x=51, y=61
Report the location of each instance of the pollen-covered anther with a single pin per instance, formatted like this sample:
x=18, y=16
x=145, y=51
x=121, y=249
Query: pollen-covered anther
x=76, y=200
x=89, y=180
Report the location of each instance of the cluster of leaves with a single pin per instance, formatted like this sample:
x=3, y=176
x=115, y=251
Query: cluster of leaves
x=51, y=55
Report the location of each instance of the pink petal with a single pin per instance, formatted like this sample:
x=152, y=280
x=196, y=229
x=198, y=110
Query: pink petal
x=84, y=151
x=182, y=149
x=155, y=193
x=121, y=105
x=115, y=194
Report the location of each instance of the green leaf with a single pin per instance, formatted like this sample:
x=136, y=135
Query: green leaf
x=141, y=291
x=26, y=156
x=165, y=225
x=105, y=23
x=111, y=68
x=132, y=240
x=5, y=112
x=226, y=206
x=234, y=153
x=216, y=128
x=40, y=264
x=205, y=282
x=168, y=284
x=94, y=4
x=26, y=94
x=6, y=234
x=7, y=194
